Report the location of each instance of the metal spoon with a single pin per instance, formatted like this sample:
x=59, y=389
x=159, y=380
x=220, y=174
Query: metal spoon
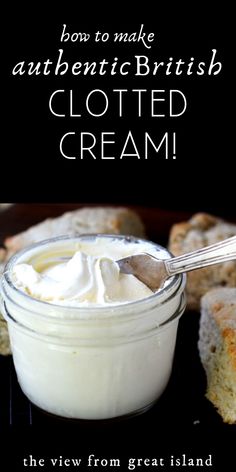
x=154, y=272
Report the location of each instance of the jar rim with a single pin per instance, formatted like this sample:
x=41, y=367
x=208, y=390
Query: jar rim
x=166, y=292
x=140, y=335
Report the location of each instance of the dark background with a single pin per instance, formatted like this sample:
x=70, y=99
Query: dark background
x=201, y=178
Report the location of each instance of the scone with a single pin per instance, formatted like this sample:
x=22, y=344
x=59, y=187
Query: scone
x=217, y=348
x=202, y=230
x=3, y=254
x=85, y=220
x=4, y=338
x=4, y=206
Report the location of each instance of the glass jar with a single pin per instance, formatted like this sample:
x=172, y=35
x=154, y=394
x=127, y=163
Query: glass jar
x=94, y=362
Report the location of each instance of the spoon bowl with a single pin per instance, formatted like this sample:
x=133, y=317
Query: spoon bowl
x=153, y=272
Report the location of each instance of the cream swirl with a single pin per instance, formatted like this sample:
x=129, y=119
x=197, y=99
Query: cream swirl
x=83, y=279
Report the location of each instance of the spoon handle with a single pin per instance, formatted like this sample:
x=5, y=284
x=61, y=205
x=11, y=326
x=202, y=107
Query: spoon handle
x=214, y=254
